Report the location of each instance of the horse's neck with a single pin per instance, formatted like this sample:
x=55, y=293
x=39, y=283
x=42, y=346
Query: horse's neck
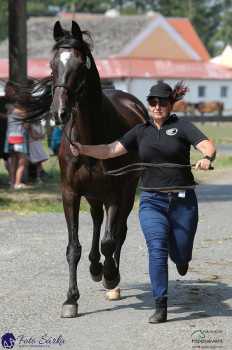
x=88, y=122
x=90, y=118
x=81, y=127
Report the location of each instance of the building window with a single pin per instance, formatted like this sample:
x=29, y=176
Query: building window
x=201, y=91
x=224, y=91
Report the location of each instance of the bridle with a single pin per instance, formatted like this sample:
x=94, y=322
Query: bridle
x=67, y=88
x=85, y=65
x=77, y=92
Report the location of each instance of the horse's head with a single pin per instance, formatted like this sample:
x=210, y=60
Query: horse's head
x=70, y=64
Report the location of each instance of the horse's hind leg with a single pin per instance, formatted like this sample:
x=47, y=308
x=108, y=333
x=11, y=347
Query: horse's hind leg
x=71, y=204
x=97, y=213
x=108, y=246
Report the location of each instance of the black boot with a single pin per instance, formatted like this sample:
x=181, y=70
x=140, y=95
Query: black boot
x=160, y=314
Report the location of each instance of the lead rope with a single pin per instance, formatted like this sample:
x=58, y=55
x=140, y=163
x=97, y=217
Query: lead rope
x=69, y=135
x=143, y=166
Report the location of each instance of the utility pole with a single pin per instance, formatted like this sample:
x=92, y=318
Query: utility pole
x=17, y=41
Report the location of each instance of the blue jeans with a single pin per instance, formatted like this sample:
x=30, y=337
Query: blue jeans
x=169, y=225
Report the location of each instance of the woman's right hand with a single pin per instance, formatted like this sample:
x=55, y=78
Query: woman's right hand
x=76, y=149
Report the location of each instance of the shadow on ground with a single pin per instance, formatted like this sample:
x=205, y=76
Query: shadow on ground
x=188, y=300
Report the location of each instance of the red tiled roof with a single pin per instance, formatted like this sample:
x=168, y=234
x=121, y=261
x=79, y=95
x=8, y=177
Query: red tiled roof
x=184, y=27
x=37, y=68
x=116, y=68
x=161, y=69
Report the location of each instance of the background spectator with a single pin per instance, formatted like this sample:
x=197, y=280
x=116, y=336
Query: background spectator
x=3, y=129
x=16, y=145
x=56, y=139
x=37, y=154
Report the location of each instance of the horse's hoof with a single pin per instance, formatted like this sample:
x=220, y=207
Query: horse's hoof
x=96, y=278
x=113, y=294
x=111, y=284
x=96, y=272
x=69, y=310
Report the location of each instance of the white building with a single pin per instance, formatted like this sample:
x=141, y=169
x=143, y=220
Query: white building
x=205, y=80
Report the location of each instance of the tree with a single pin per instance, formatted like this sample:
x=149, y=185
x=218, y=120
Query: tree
x=223, y=36
x=205, y=15
x=88, y=5
x=4, y=19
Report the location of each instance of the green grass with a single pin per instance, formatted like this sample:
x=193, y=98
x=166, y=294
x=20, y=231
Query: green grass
x=220, y=133
x=35, y=200
x=47, y=197
x=38, y=198
x=30, y=206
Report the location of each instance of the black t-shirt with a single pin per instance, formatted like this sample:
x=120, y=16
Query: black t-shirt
x=169, y=144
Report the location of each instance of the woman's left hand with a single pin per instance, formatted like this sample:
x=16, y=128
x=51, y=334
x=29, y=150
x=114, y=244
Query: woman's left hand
x=203, y=164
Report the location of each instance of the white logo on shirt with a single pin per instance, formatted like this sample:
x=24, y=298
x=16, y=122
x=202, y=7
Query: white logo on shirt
x=171, y=132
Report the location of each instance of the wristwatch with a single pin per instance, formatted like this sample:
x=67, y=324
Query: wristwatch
x=209, y=158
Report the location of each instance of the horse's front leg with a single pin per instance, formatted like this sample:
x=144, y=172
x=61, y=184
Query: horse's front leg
x=127, y=201
x=111, y=276
x=71, y=203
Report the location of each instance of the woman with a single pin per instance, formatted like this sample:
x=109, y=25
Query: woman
x=16, y=145
x=168, y=206
x=37, y=154
x=3, y=130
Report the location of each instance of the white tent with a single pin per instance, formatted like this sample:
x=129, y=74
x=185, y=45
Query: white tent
x=225, y=59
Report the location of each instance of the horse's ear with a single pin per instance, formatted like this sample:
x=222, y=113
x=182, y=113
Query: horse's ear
x=76, y=31
x=58, y=31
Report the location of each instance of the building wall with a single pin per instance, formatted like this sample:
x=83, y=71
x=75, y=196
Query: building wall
x=141, y=87
x=160, y=45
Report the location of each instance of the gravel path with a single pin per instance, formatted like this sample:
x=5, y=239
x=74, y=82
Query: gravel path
x=34, y=280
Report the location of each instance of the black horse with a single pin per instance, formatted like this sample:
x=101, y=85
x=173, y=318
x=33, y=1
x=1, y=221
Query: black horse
x=91, y=116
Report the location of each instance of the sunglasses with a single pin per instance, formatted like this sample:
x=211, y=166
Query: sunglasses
x=161, y=101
